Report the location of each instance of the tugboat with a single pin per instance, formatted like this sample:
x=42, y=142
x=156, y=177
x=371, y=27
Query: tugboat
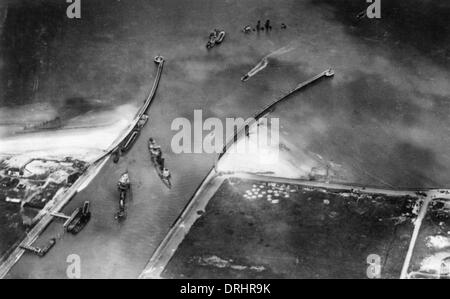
x=142, y=121
x=215, y=38
x=158, y=162
x=165, y=176
x=80, y=217
x=123, y=186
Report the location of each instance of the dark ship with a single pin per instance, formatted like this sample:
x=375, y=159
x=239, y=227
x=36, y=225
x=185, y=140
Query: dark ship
x=215, y=38
x=158, y=163
x=80, y=217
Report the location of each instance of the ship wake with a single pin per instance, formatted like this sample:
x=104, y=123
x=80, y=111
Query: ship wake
x=262, y=64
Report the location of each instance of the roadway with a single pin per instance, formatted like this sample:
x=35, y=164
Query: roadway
x=214, y=180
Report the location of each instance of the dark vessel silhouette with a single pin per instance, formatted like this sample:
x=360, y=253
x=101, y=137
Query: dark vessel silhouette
x=215, y=38
x=124, y=186
x=80, y=217
x=158, y=163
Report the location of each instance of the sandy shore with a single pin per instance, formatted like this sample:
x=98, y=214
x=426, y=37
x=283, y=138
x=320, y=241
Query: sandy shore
x=79, y=143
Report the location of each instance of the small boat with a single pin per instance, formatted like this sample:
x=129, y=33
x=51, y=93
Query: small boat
x=220, y=37
x=158, y=163
x=121, y=214
x=123, y=185
x=124, y=182
x=116, y=156
x=329, y=73
x=47, y=247
x=247, y=29
x=130, y=141
x=215, y=38
x=142, y=121
x=159, y=167
x=158, y=59
x=245, y=78
x=259, y=67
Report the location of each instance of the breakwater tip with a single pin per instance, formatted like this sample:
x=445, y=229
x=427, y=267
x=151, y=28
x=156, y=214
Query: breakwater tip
x=159, y=59
x=329, y=72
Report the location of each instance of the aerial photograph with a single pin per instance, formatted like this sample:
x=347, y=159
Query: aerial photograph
x=233, y=140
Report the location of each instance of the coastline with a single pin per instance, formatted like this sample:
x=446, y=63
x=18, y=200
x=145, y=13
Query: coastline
x=44, y=217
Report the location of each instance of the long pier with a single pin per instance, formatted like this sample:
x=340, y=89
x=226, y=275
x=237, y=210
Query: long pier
x=148, y=101
x=47, y=214
x=266, y=109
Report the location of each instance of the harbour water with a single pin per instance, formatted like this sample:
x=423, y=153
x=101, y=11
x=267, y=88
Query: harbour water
x=388, y=98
